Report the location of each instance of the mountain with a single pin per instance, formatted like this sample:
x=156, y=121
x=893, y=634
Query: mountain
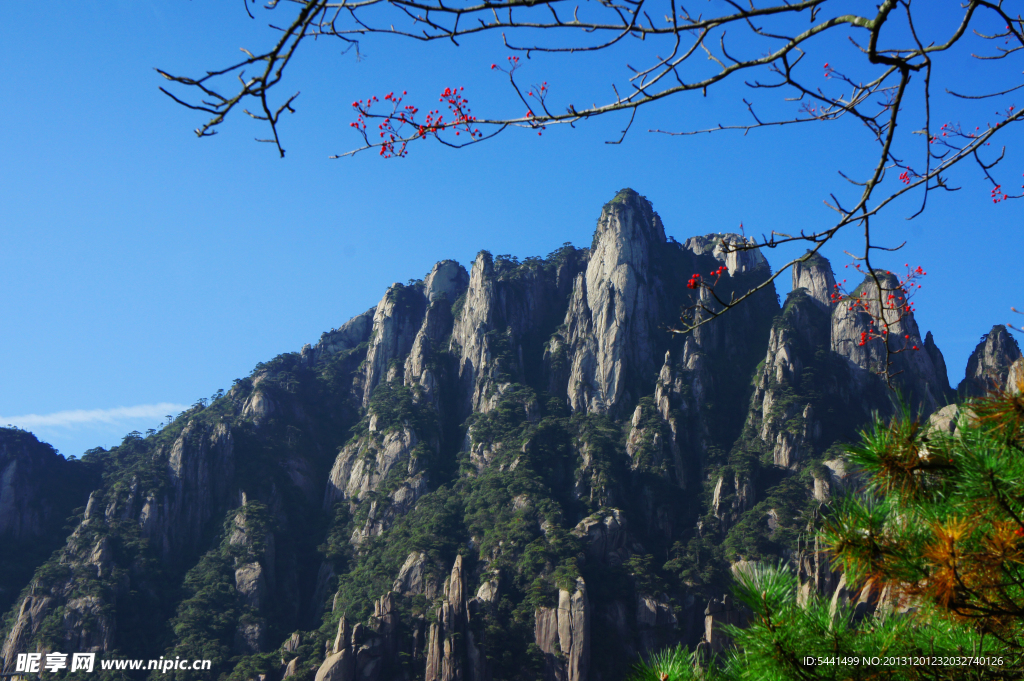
x=515, y=472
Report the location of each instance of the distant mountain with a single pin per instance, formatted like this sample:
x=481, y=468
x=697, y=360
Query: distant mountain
x=516, y=472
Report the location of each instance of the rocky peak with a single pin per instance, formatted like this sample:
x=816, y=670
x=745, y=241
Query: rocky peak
x=345, y=337
x=732, y=250
x=395, y=324
x=628, y=219
x=614, y=309
x=444, y=661
x=922, y=375
x=501, y=321
x=815, y=276
x=447, y=278
x=989, y=364
x=441, y=288
x=476, y=318
x=32, y=475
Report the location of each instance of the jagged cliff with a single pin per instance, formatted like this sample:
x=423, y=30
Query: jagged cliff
x=515, y=472
x=989, y=365
x=39, y=489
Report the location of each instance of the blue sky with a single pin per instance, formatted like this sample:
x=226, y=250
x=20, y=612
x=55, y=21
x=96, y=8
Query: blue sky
x=143, y=269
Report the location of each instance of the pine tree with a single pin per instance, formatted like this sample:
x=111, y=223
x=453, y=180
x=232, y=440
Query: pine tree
x=938, y=527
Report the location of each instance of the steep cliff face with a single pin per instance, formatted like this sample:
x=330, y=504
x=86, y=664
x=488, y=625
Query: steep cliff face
x=408, y=324
x=507, y=313
x=510, y=474
x=988, y=367
x=216, y=498
x=445, y=284
x=818, y=384
x=918, y=364
x=39, y=489
x=395, y=326
x=615, y=308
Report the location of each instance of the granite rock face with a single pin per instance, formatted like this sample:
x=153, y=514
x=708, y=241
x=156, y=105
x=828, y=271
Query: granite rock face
x=528, y=438
x=346, y=337
x=921, y=364
x=614, y=311
x=988, y=367
x=1015, y=377
x=500, y=322
x=445, y=661
x=38, y=487
x=396, y=323
x=563, y=635
x=814, y=275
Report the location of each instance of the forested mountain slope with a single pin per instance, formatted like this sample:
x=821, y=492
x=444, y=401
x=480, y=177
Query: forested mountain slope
x=515, y=472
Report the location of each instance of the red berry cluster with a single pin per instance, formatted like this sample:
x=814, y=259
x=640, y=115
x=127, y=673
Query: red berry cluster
x=905, y=177
x=541, y=91
x=950, y=130
x=392, y=142
x=897, y=303
x=513, y=64
x=948, y=135
x=695, y=280
x=459, y=106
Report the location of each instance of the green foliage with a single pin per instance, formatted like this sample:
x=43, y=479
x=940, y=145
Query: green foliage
x=782, y=632
x=938, y=526
x=645, y=579
x=561, y=255
x=671, y=664
x=211, y=610
x=395, y=408
x=457, y=306
x=204, y=626
x=605, y=443
x=700, y=561
x=433, y=527
x=942, y=515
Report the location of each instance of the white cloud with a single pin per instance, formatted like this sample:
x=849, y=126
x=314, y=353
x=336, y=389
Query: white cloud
x=92, y=417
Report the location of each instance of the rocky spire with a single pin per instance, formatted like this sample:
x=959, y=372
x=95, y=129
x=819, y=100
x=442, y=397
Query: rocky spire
x=441, y=288
x=395, y=324
x=563, y=635
x=782, y=415
x=613, y=311
x=926, y=381
x=815, y=276
x=722, y=247
x=403, y=317
x=989, y=364
x=444, y=660
x=469, y=337
x=447, y=279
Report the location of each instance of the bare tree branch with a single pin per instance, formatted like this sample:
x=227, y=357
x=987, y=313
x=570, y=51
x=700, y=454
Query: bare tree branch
x=763, y=51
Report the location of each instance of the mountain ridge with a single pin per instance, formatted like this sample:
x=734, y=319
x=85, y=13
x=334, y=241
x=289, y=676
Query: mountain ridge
x=508, y=473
